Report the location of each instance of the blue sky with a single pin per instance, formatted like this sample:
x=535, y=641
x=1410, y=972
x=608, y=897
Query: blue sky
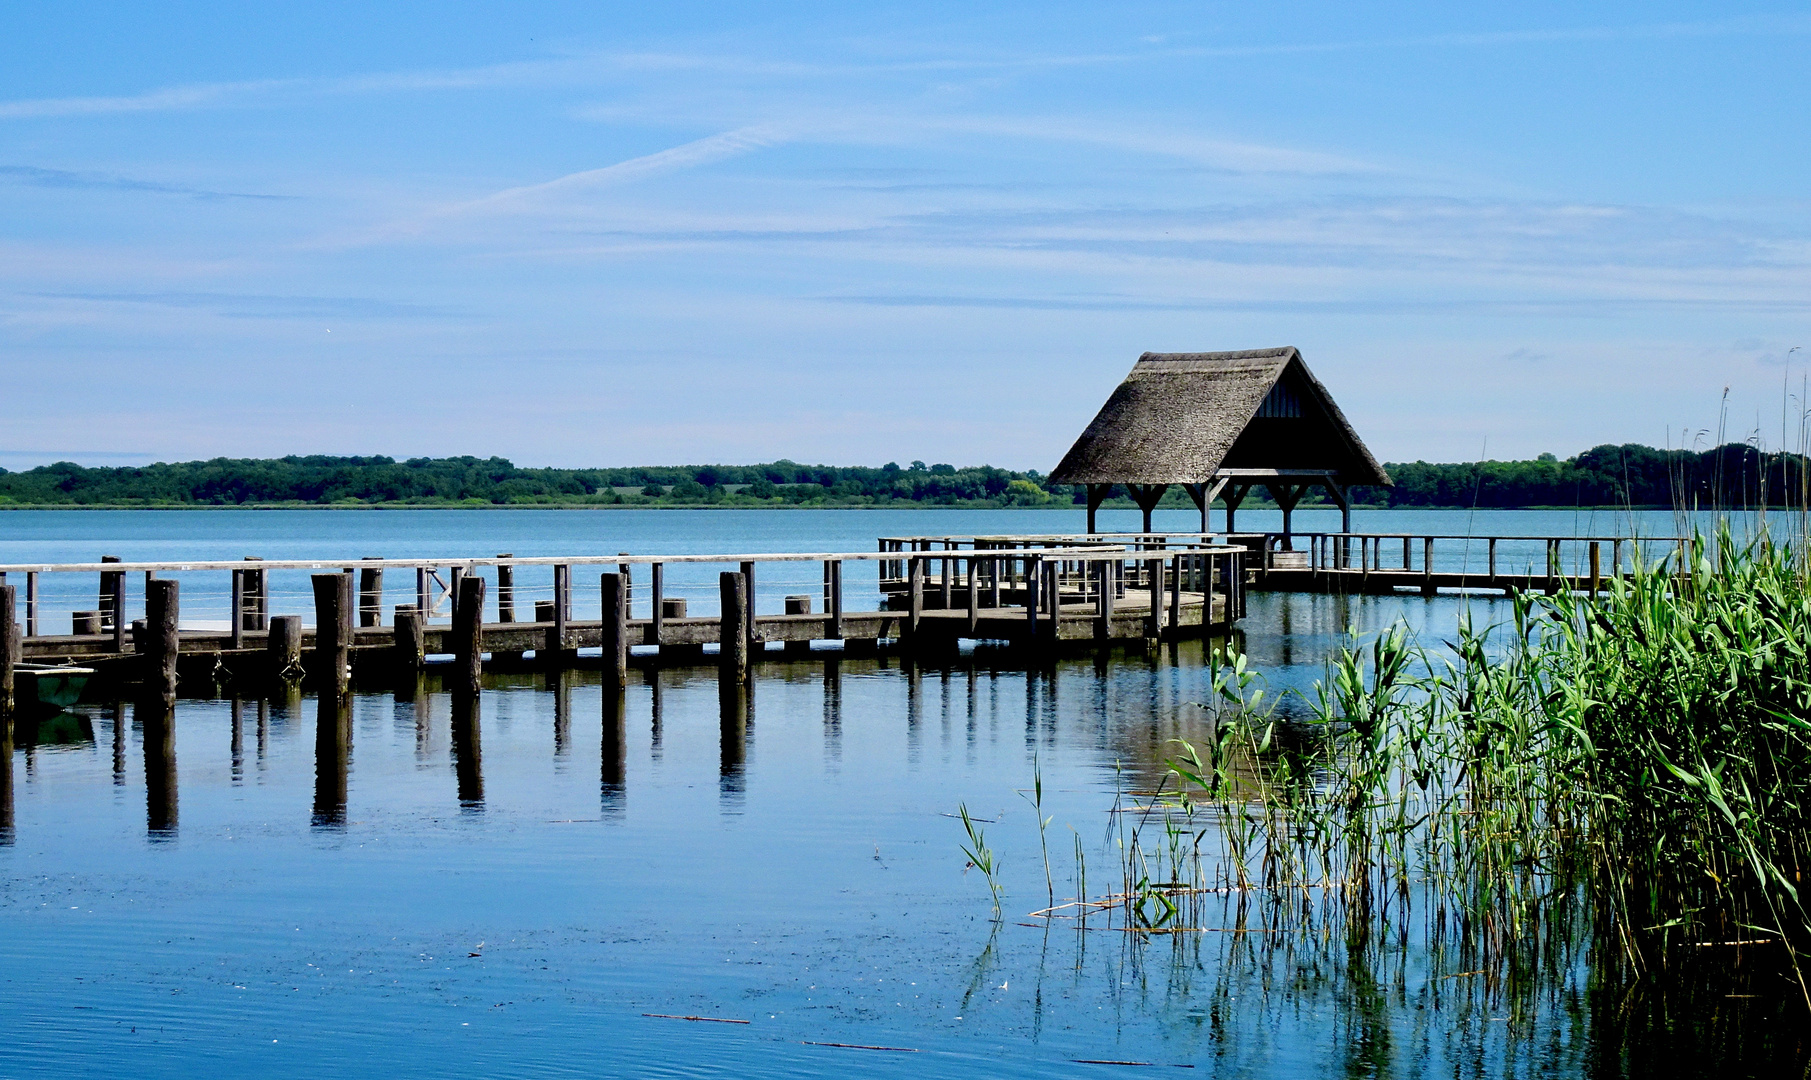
x=596, y=234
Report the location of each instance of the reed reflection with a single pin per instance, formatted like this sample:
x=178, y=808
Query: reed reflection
x=468, y=749
x=157, y=727
x=613, y=756
x=332, y=757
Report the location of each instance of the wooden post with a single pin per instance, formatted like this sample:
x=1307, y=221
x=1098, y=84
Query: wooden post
x=506, y=590
x=1427, y=566
x=835, y=606
x=1596, y=566
x=615, y=591
x=974, y=595
x=1406, y=561
x=1493, y=559
x=657, y=617
x=117, y=602
x=1176, y=593
x=285, y=646
x=733, y=657
x=371, y=594
x=333, y=628
x=748, y=606
x=915, y=574
x=468, y=634
x=1153, y=569
x=562, y=608
x=424, y=604
x=1031, y=602
x=161, y=613
x=31, y=603
x=1615, y=558
x=410, y=646
x=257, y=597
x=237, y=607
x=104, y=602
x=1103, y=628
x=624, y=569
x=945, y=598
x=10, y=649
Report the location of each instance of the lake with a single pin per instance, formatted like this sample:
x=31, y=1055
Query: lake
x=515, y=902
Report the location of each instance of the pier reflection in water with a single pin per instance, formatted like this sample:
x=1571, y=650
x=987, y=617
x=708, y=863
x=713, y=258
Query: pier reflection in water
x=403, y=859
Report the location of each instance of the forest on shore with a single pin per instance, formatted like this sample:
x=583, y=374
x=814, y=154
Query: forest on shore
x=1736, y=475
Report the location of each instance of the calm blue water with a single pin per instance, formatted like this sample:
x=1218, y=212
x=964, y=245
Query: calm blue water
x=512, y=905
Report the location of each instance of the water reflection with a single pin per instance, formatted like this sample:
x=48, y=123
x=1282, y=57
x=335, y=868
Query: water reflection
x=734, y=706
x=332, y=758
x=833, y=713
x=559, y=681
x=614, y=751
x=468, y=763
x=6, y=781
x=157, y=727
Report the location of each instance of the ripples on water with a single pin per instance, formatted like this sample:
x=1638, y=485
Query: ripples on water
x=506, y=894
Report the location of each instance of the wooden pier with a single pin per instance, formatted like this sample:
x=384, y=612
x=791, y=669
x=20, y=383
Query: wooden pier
x=1027, y=594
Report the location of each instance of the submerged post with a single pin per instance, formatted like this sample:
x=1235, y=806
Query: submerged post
x=161, y=613
x=615, y=591
x=468, y=633
x=733, y=654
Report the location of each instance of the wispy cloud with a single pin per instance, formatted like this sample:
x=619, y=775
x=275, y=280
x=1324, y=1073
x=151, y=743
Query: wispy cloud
x=691, y=155
x=255, y=306
x=171, y=98
x=35, y=176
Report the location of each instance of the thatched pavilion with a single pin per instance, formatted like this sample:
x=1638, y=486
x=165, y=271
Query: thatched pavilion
x=1220, y=424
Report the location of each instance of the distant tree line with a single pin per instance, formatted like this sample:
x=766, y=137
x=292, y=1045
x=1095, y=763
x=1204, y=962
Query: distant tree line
x=1731, y=476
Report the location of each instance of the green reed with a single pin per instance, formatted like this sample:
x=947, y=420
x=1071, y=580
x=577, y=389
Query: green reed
x=1639, y=759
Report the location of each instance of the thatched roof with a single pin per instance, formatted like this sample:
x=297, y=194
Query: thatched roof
x=1179, y=417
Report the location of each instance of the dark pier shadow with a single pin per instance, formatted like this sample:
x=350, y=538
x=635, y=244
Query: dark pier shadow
x=613, y=756
x=157, y=727
x=332, y=759
x=468, y=749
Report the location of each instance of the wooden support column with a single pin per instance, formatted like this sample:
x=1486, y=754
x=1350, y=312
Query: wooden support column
x=1153, y=569
x=161, y=613
x=257, y=596
x=1596, y=566
x=974, y=596
x=1147, y=496
x=468, y=635
x=371, y=594
x=749, y=631
x=1031, y=600
x=333, y=629
x=1286, y=496
x=562, y=611
x=835, y=606
x=236, y=605
x=945, y=597
x=1102, y=572
x=1198, y=492
x=284, y=645
x=657, y=583
x=410, y=648
x=1427, y=567
x=1493, y=559
x=614, y=589
x=1097, y=494
x=733, y=657
x=1233, y=496
x=424, y=603
x=31, y=603
x=1176, y=594
x=10, y=650
x=506, y=590
x=915, y=610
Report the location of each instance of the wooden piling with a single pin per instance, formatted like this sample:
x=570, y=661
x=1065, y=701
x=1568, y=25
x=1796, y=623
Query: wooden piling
x=733, y=659
x=615, y=608
x=410, y=645
x=657, y=615
x=236, y=606
x=1153, y=569
x=116, y=603
x=333, y=603
x=562, y=611
x=371, y=594
x=915, y=610
x=161, y=616
x=257, y=596
x=31, y=603
x=1596, y=566
x=285, y=646
x=10, y=649
x=833, y=606
x=748, y=608
x=506, y=590
x=1427, y=567
x=468, y=634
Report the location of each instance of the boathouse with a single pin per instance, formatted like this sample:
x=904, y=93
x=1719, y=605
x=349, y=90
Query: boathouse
x=1220, y=424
